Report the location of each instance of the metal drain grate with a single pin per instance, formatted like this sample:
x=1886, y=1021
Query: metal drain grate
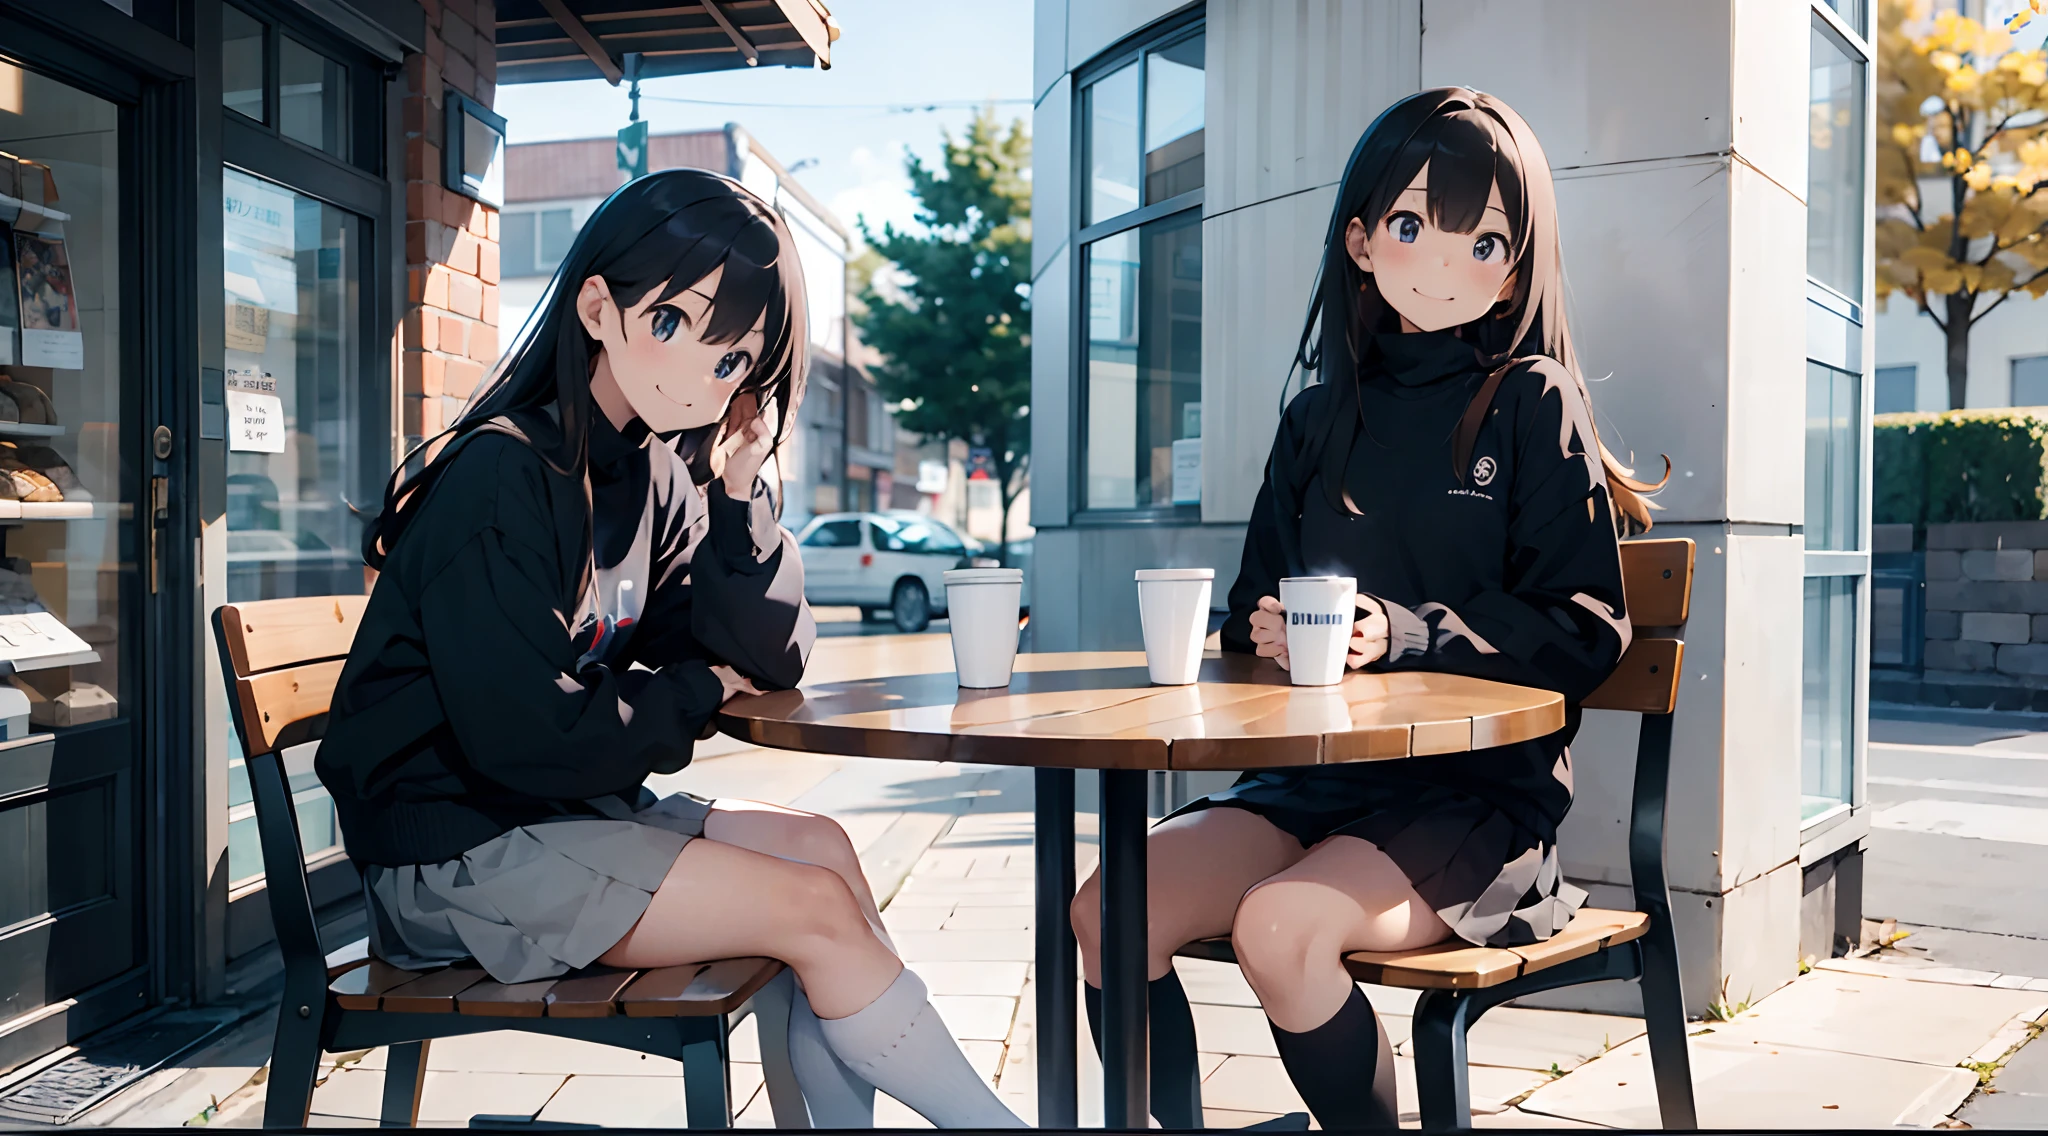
x=108, y=1063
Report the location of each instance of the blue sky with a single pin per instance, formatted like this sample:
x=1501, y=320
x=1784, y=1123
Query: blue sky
x=889, y=52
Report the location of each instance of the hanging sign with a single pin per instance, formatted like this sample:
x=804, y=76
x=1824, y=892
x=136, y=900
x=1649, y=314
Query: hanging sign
x=632, y=155
x=49, y=310
x=255, y=412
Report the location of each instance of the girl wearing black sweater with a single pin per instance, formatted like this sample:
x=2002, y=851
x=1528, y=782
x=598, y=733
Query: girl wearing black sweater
x=585, y=568
x=1447, y=460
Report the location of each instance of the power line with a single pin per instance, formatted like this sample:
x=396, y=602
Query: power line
x=898, y=108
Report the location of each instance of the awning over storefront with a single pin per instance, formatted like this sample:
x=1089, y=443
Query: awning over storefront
x=542, y=41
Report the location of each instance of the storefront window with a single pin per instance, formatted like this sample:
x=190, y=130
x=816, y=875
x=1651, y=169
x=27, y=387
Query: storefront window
x=312, y=98
x=295, y=413
x=1834, y=165
x=1828, y=732
x=241, y=62
x=1834, y=436
x=62, y=485
x=1144, y=322
x=1141, y=278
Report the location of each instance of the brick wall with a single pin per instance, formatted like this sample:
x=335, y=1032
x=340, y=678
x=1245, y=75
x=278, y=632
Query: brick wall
x=448, y=336
x=1987, y=602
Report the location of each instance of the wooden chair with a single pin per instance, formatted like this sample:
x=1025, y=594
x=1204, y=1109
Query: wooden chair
x=282, y=659
x=1459, y=983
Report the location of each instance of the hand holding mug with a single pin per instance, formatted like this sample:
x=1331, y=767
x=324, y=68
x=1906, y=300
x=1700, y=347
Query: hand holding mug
x=1269, y=630
x=1368, y=635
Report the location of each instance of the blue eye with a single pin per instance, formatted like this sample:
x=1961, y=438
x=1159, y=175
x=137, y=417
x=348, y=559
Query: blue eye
x=733, y=363
x=665, y=319
x=1485, y=247
x=1405, y=227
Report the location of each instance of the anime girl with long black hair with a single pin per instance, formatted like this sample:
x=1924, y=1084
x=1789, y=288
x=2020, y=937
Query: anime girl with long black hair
x=585, y=568
x=1447, y=460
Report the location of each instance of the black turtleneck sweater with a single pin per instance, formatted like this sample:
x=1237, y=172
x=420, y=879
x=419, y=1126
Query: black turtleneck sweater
x=1512, y=573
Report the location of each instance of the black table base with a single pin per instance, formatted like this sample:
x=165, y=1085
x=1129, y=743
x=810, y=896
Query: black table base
x=1126, y=1054
x=1058, y=1095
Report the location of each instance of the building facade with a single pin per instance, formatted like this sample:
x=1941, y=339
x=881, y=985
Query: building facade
x=843, y=451
x=251, y=255
x=1715, y=211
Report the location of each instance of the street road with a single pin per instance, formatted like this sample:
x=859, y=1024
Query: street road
x=1958, y=847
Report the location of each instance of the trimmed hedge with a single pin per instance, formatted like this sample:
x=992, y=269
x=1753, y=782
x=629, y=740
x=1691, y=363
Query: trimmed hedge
x=1960, y=465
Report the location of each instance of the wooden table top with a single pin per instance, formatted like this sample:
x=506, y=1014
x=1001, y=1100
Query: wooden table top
x=1098, y=710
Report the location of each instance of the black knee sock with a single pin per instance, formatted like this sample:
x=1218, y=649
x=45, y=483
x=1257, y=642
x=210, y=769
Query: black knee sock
x=1176, y=1081
x=1344, y=1068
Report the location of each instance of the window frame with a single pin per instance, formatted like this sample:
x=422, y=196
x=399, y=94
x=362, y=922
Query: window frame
x=1132, y=50
x=1841, y=336
x=362, y=92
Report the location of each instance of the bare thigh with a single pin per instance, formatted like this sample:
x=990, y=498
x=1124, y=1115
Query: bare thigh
x=791, y=834
x=1198, y=866
x=1293, y=928
x=723, y=901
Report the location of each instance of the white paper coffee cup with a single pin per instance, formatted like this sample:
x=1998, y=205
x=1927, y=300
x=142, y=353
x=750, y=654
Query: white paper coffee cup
x=1173, y=608
x=1320, y=613
x=981, y=609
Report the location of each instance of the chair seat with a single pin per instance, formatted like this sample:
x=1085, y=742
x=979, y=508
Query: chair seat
x=1448, y=966
x=698, y=990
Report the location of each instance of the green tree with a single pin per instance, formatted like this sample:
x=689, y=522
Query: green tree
x=951, y=323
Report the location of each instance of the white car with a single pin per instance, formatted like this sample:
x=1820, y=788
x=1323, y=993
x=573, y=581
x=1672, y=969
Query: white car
x=894, y=562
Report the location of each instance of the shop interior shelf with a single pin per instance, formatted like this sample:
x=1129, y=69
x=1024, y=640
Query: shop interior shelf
x=15, y=512
x=29, y=430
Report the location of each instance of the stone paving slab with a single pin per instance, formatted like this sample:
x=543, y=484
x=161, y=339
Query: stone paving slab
x=1760, y=1086
x=1932, y=1023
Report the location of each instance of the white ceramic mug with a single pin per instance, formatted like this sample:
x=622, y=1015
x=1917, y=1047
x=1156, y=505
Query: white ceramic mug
x=981, y=609
x=1320, y=612
x=1173, y=609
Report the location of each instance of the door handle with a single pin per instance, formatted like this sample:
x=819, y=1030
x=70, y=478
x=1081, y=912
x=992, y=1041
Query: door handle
x=159, y=520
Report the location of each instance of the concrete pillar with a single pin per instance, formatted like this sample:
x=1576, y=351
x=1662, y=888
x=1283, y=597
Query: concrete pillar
x=1677, y=133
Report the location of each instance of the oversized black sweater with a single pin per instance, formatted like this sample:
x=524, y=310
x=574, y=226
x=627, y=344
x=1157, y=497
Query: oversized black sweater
x=467, y=708
x=1512, y=573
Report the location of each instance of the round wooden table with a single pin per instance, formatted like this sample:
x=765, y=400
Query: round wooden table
x=1098, y=710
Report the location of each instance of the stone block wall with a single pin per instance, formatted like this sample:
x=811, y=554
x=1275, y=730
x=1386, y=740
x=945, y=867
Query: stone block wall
x=448, y=334
x=1987, y=603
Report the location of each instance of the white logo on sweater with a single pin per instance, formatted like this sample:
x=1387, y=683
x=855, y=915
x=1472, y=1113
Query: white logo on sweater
x=1483, y=471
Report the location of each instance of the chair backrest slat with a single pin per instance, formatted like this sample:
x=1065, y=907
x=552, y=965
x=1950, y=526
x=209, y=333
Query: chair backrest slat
x=282, y=707
x=1656, y=578
x=281, y=660
x=1646, y=680
x=268, y=634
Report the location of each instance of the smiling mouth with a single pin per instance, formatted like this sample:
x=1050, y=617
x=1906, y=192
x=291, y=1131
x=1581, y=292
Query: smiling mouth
x=663, y=392
x=1427, y=296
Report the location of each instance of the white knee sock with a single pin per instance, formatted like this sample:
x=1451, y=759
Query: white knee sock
x=898, y=1044
x=835, y=1094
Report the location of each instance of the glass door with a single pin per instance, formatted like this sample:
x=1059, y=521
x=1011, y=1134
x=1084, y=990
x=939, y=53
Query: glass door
x=292, y=268
x=72, y=920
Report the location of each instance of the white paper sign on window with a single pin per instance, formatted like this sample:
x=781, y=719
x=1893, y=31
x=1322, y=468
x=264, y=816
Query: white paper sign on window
x=255, y=412
x=1187, y=471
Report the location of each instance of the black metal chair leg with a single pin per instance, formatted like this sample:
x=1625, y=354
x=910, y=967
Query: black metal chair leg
x=1441, y=1078
x=707, y=1094
x=1664, y=1020
x=294, y=1060
x=405, y=1075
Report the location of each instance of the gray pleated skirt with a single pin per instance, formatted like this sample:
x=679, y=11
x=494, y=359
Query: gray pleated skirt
x=539, y=901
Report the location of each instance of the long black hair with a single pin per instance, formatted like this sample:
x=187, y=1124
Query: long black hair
x=1472, y=143
x=665, y=231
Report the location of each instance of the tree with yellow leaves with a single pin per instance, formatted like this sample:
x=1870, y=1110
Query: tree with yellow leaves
x=1962, y=169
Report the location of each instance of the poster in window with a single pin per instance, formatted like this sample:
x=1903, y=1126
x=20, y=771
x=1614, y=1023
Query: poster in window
x=49, y=309
x=255, y=412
